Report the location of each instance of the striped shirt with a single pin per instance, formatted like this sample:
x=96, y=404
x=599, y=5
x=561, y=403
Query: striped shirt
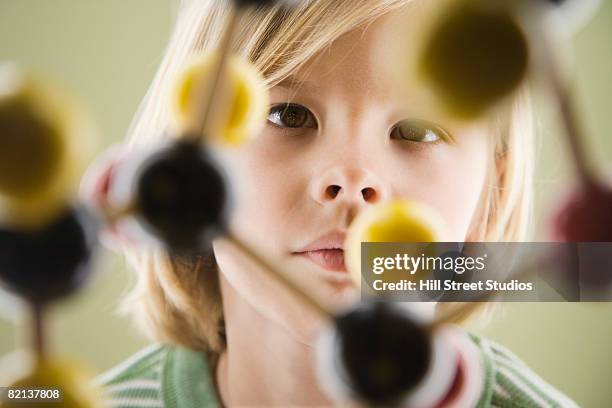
x=165, y=376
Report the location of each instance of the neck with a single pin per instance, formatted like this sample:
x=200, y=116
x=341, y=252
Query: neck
x=264, y=364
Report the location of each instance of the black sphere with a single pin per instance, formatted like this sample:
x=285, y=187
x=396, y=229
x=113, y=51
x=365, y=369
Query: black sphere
x=48, y=263
x=256, y=3
x=385, y=353
x=181, y=196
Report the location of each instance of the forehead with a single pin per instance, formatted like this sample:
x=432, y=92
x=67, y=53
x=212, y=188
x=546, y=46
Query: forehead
x=347, y=63
x=366, y=59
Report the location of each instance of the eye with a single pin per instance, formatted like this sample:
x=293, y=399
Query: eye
x=291, y=115
x=416, y=130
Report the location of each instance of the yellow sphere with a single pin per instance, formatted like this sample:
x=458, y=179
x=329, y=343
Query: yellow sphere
x=395, y=221
x=240, y=112
x=75, y=385
x=44, y=143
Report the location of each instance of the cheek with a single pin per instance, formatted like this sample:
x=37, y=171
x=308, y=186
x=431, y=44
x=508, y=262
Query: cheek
x=268, y=187
x=460, y=199
x=451, y=180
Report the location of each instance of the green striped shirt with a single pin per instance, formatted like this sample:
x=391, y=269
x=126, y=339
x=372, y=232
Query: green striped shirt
x=165, y=376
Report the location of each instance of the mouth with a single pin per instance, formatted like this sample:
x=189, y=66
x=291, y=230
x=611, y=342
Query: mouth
x=326, y=252
x=330, y=259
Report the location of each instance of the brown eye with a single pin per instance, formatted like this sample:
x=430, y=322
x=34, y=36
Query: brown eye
x=290, y=115
x=415, y=130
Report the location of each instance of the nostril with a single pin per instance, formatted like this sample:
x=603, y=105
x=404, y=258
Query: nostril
x=332, y=191
x=369, y=194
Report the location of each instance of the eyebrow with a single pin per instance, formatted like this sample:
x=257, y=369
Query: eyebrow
x=294, y=83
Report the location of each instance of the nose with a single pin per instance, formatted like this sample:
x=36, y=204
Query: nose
x=350, y=185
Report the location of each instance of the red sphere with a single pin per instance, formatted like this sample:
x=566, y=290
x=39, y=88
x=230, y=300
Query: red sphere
x=585, y=216
x=584, y=224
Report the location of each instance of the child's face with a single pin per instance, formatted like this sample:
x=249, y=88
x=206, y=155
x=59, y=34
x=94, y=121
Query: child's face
x=337, y=151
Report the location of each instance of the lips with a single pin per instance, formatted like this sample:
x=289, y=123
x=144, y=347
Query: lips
x=327, y=251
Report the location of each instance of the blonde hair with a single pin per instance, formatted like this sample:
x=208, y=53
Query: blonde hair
x=177, y=299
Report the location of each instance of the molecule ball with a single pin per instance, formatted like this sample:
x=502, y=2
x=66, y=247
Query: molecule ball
x=585, y=218
x=72, y=382
x=376, y=353
x=266, y=3
x=50, y=263
x=256, y=3
x=44, y=143
x=476, y=55
x=585, y=215
x=395, y=221
x=233, y=123
x=181, y=196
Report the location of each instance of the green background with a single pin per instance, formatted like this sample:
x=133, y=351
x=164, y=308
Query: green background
x=107, y=52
